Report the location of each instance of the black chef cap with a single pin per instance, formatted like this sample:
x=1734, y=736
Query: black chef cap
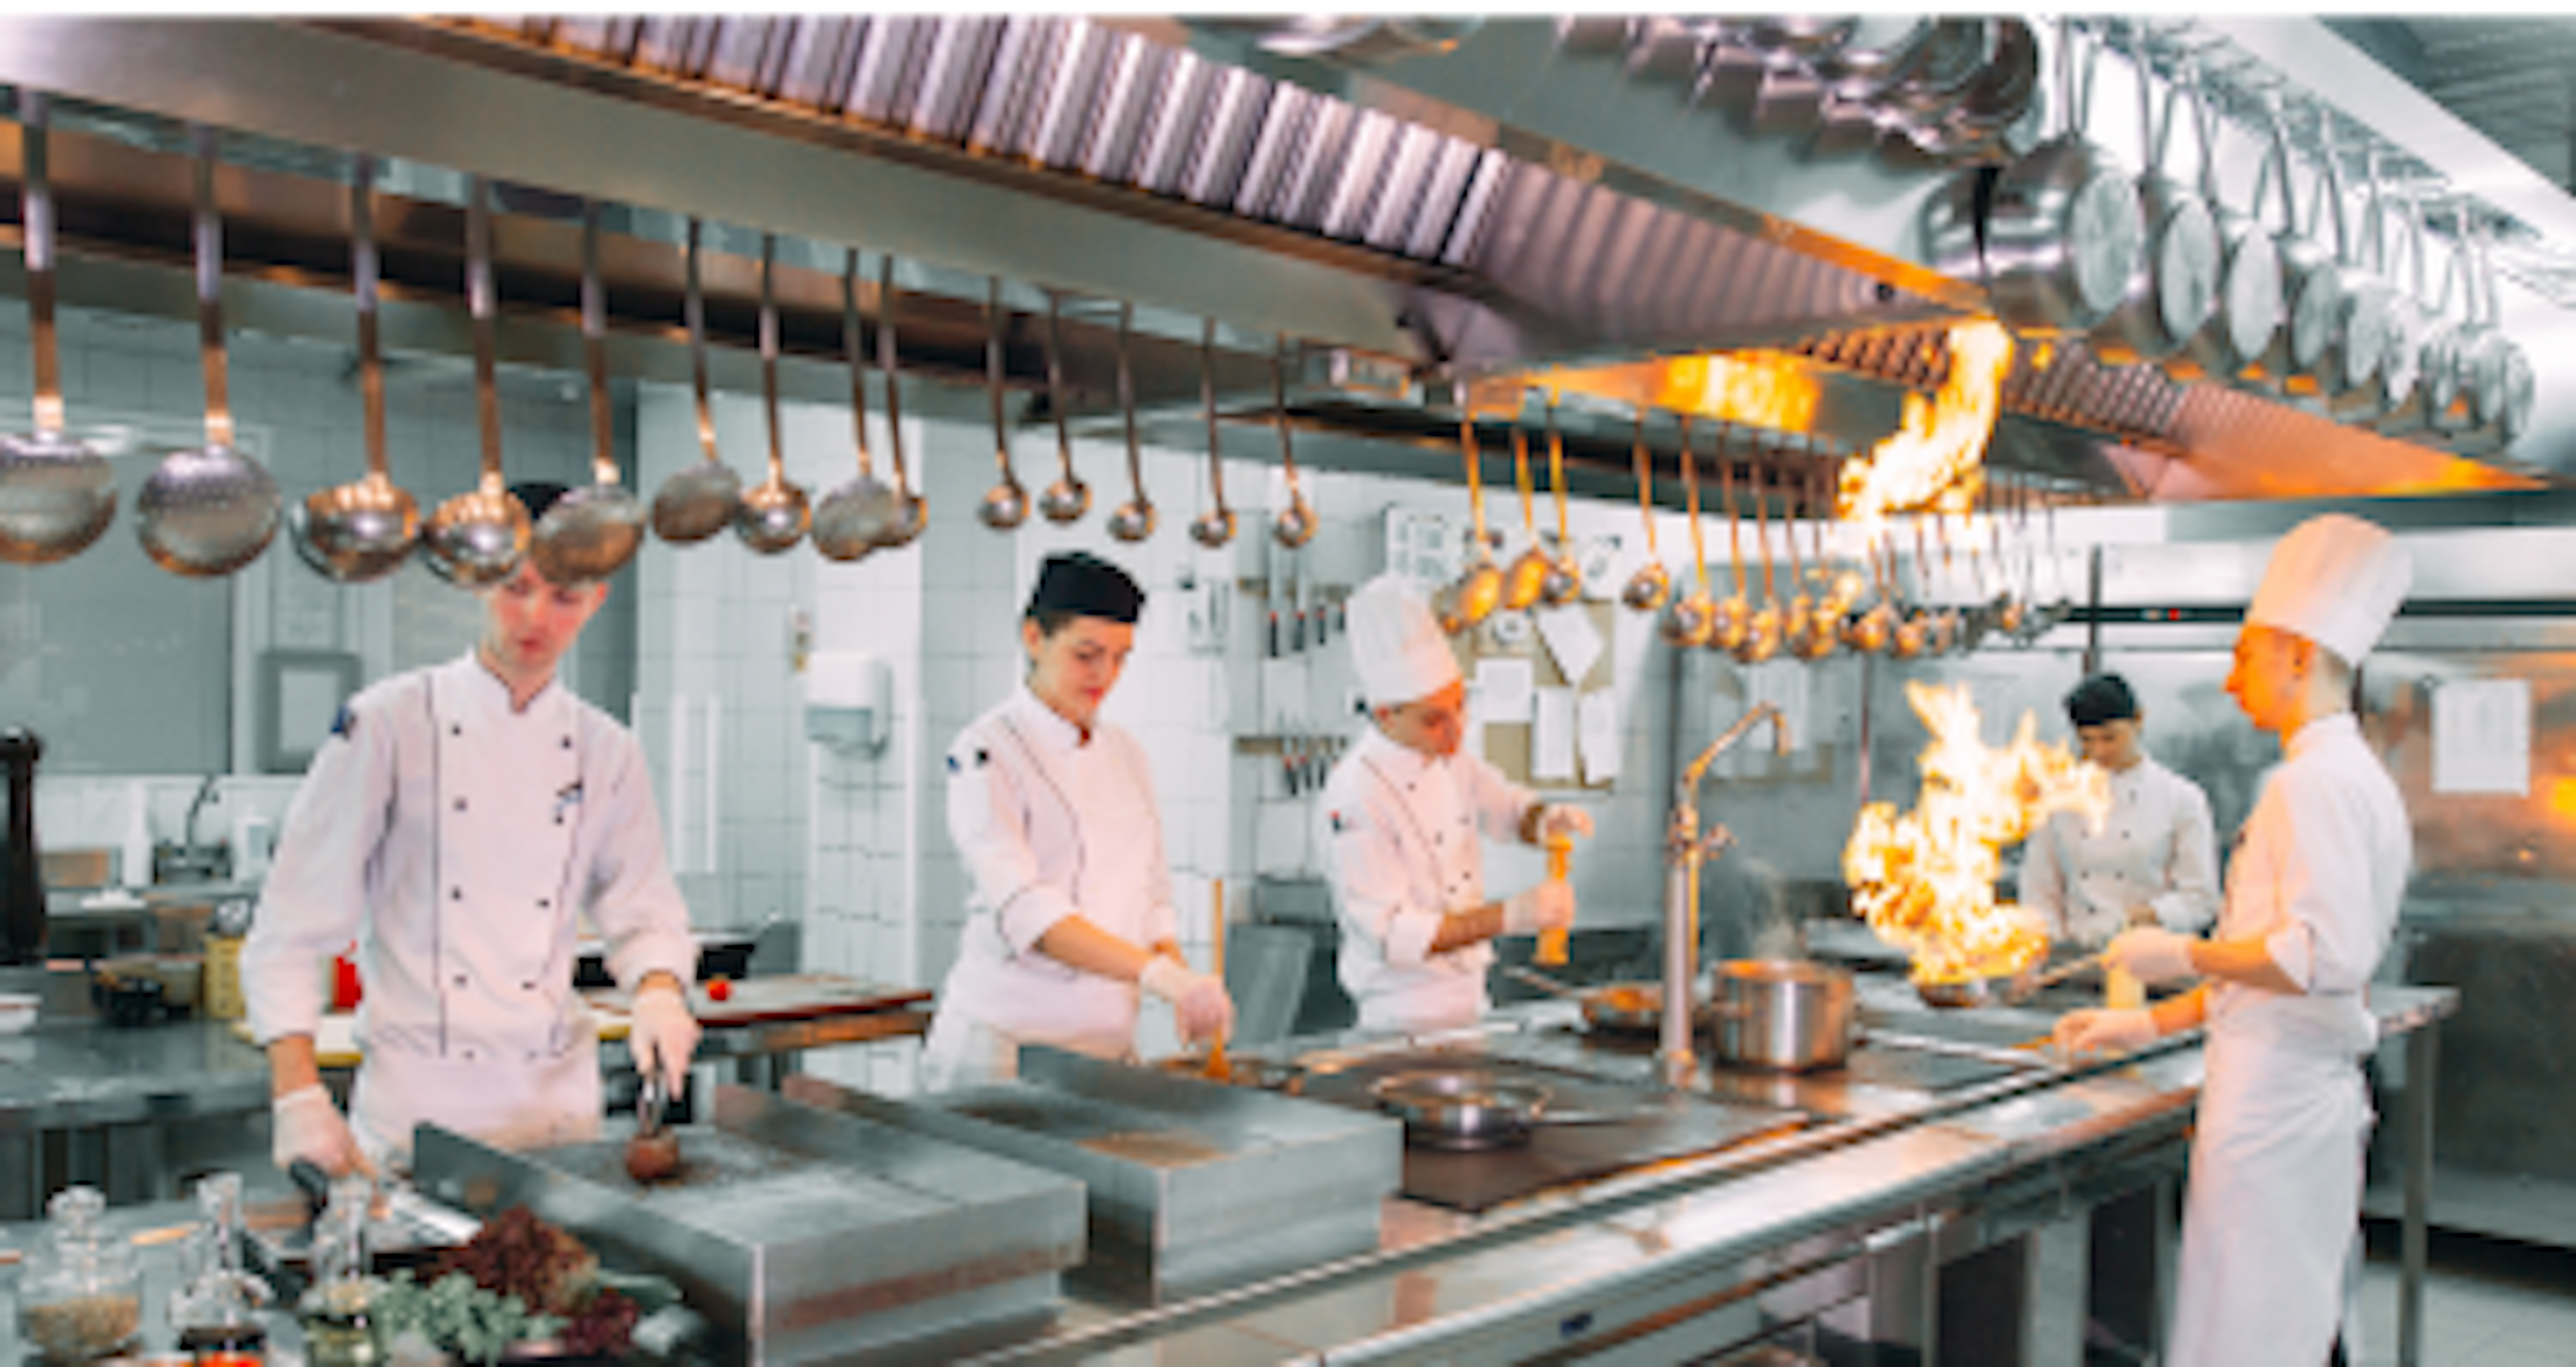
x=1078, y=584
x=2101, y=698
x=537, y=495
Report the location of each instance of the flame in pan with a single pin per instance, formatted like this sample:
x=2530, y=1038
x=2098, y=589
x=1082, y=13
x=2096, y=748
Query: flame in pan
x=1934, y=461
x=1925, y=879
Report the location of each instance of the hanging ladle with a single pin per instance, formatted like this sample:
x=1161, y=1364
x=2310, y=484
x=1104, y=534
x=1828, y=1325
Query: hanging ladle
x=1066, y=500
x=859, y=516
x=480, y=536
x=1914, y=625
x=697, y=501
x=1823, y=613
x=1732, y=619
x=773, y=514
x=1762, y=634
x=1471, y=600
x=1294, y=525
x=1527, y=575
x=1687, y=622
x=1798, y=615
x=57, y=494
x=211, y=510
x=592, y=532
x=916, y=509
x=1647, y=589
x=1871, y=632
x=2012, y=610
x=1134, y=520
x=1564, y=582
x=1215, y=527
x=1006, y=504
x=364, y=529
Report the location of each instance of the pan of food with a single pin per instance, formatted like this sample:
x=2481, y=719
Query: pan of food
x=1470, y=1108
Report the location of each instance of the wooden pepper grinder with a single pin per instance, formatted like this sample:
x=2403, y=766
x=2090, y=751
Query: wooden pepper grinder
x=1560, y=863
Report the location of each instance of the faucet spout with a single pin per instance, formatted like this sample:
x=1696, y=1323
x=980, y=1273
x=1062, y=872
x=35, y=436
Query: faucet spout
x=1685, y=851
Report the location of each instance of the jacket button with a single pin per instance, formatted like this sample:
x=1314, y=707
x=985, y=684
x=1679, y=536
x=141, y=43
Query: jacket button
x=567, y=742
x=456, y=894
x=528, y=987
x=545, y=901
x=460, y=980
x=460, y=804
x=456, y=730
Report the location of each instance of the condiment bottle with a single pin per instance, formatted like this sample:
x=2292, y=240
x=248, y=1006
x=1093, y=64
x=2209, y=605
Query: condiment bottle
x=82, y=1296
x=216, y=1311
x=339, y=1328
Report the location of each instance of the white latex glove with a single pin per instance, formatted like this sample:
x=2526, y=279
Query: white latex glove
x=304, y=1124
x=1542, y=906
x=1199, y=1001
x=1557, y=819
x=2151, y=954
x=2093, y=1032
x=663, y=1035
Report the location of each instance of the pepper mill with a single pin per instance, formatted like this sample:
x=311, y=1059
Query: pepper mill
x=22, y=883
x=1551, y=943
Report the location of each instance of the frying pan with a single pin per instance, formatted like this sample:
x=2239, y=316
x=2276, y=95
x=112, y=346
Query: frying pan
x=2349, y=370
x=1470, y=1108
x=2245, y=312
x=2170, y=297
x=2311, y=288
x=1620, y=1008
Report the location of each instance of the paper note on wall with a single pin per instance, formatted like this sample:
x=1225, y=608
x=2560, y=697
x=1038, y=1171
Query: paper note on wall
x=1571, y=639
x=1503, y=690
x=1552, y=737
x=1597, y=730
x=2482, y=737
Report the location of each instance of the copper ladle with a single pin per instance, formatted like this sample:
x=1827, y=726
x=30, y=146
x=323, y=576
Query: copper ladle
x=1066, y=500
x=1527, y=575
x=591, y=533
x=1215, y=527
x=1006, y=504
x=1733, y=622
x=57, y=493
x=1480, y=587
x=1762, y=633
x=479, y=537
x=1688, y=621
x=697, y=501
x=774, y=513
x=856, y=517
x=1294, y=525
x=365, y=529
x=1564, y=582
x=1647, y=589
x=916, y=509
x=1134, y=520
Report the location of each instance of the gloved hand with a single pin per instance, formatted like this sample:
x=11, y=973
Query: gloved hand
x=1556, y=819
x=1542, y=906
x=1199, y=1002
x=304, y=1124
x=2093, y=1032
x=2151, y=954
x=663, y=1035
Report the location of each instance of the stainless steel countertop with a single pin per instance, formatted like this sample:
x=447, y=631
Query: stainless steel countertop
x=81, y=1072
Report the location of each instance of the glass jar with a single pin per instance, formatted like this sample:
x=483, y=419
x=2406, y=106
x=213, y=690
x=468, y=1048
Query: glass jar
x=82, y=1294
x=339, y=1327
x=215, y=1311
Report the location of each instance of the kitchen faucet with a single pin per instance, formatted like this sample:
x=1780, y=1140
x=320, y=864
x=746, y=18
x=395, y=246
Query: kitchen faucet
x=1685, y=849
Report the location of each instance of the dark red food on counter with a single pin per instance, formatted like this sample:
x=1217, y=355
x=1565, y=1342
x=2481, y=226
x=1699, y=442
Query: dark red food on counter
x=517, y=1254
x=653, y=1159
x=605, y=1326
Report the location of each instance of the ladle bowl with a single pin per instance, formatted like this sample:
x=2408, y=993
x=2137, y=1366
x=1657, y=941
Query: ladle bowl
x=856, y=518
x=1687, y=622
x=772, y=516
x=589, y=534
x=1133, y=522
x=1213, y=528
x=1564, y=582
x=1730, y=622
x=357, y=531
x=1472, y=599
x=696, y=502
x=1294, y=525
x=1869, y=632
x=1065, y=501
x=1648, y=588
x=207, y=512
x=478, y=537
x=57, y=496
x=1004, y=506
x=1525, y=580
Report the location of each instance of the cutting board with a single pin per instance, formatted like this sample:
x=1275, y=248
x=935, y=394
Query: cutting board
x=750, y=1001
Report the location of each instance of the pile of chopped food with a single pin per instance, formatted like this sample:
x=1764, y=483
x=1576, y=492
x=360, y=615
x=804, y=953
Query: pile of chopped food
x=519, y=1280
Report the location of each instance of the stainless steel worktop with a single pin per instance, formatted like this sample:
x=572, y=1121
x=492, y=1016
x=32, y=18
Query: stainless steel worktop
x=74, y=1073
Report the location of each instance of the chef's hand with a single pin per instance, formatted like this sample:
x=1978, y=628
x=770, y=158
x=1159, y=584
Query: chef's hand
x=1545, y=906
x=1558, y=821
x=663, y=1036
x=2094, y=1032
x=2151, y=954
x=1199, y=1001
x=304, y=1124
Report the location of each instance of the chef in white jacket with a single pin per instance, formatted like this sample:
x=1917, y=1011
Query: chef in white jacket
x=1053, y=813
x=2271, y=1221
x=2150, y=861
x=456, y=825
x=1402, y=823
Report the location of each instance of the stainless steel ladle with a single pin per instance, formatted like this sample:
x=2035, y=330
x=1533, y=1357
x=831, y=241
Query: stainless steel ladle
x=859, y=516
x=480, y=536
x=774, y=513
x=591, y=532
x=1215, y=527
x=211, y=510
x=364, y=529
x=1689, y=620
x=1294, y=525
x=1479, y=587
x=916, y=509
x=1647, y=589
x=1564, y=581
x=1006, y=504
x=1134, y=520
x=697, y=501
x=57, y=493
x=1066, y=500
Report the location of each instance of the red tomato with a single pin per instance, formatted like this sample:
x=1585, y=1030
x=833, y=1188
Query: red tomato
x=719, y=989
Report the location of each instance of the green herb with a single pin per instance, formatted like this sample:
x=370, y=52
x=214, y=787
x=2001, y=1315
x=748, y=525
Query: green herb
x=454, y=1314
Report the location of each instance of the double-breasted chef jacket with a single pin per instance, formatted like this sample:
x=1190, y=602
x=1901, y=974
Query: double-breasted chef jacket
x=2154, y=848
x=2273, y=1210
x=1402, y=837
x=1049, y=824
x=459, y=842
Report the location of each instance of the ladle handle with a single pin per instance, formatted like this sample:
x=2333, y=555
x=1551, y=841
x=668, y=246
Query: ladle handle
x=888, y=359
x=993, y=371
x=851, y=343
x=366, y=270
x=1207, y=401
x=1556, y=468
x=1645, y=464
x=594, y=347
x=1690, y=499
x=1279, y=412
x=36, y=200
x=1055, y=384
x=479, y=292
x=207, y=229
x=769, y=355
x=1127, y=402
x=1726, y=489
x=694, y=306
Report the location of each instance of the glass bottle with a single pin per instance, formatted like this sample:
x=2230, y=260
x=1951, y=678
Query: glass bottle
x=82, y=1295
x=215, y=1311
x=339, y=1329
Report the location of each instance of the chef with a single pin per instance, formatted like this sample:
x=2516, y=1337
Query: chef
x=2150, y=861
x=1053, y=813
x=458, y=823
x=2270, y=1225
x=1400, y=826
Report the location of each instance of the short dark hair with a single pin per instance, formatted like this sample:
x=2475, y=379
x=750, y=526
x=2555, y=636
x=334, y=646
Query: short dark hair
x=2101, y=698
x=1050, y=620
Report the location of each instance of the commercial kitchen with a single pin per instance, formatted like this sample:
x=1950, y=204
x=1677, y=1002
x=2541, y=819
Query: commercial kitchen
x=1775, y=418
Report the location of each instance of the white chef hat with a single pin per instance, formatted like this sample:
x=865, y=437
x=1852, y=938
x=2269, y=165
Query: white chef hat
x=2336, y=580
x=1396, y=645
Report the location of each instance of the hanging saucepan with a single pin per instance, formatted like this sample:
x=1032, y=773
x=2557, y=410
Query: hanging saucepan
x=2395, y=395
x=2169, y=299
x=1134, y=520
x=774, y=513
x=1066, y=500
x=1215, y=527
x=1471, y=1108
x=57, y=493
x=1687, y=622
x=591, y=532
x=1858, y=74
x=2426, y=326
x=1294, y=525
x=1940, y=69
x=479, y=537
x=1732, y=619
x=1006, y=504
x=2502, y=388
x=697, y=501
x=2348, y=371
x=366, y=528
x=1999, y=112
x=1730, y=71
x=856, y=517
x=2245, y=313
x=2312, y=300
x=916, y=509
x=1526, y=577
x=208, y=511
x=2062, y=231
x=1564, y=581
x=1647, y=589
x=2447, y=380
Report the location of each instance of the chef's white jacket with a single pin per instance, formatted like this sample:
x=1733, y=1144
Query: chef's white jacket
x=1049, y=825
x=459, y=843
x=2154, y=848
x=1400, y=835
x=2273, y=1213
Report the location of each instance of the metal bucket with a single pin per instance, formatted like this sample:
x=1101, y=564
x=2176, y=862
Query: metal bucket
x=1784, y=1014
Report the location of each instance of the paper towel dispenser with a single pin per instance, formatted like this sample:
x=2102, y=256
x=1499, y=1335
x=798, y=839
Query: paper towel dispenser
x=848, y=700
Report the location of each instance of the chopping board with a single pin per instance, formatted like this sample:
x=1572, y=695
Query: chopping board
x=750, y=1001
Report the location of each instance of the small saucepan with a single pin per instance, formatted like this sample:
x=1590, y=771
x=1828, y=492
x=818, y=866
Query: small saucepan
x=1470, y=1108
x=1788, y=1015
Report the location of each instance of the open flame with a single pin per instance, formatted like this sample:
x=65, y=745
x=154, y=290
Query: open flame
x=1926, y=879
x=1932, y=463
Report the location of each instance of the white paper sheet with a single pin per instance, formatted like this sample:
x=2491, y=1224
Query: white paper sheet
x=2482, y=737
x=1503, y=687
x=1571, y=639
x=1552, y=737
x=1597, y=728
